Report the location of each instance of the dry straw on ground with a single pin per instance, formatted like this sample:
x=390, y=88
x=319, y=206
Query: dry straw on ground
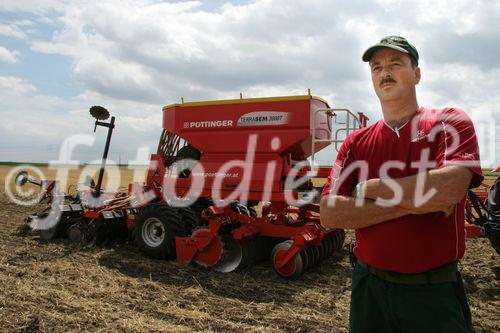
x=56, y=287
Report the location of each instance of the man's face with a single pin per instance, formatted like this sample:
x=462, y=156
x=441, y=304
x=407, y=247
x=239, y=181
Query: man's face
x=393, y=75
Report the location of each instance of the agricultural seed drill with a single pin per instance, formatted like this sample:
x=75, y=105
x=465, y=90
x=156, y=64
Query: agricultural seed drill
x=256, y=148
x=230, y=185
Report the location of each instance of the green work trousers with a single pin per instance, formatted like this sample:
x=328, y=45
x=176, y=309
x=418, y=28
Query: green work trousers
x=385, y=307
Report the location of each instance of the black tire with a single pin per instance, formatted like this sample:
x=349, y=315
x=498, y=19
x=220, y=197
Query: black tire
x=492, y=231
x=76, y=231
x=252, y=211
x=51, y=233
x=198, y=207
x=57, y=224
x=186, y=153
x=155, y=231
x=479, y=208
x=251, y=208
x=190, y=220
x=240, y=208
x=493, y=202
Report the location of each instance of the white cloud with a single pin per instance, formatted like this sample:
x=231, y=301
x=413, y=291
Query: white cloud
x=9, y=56
x=135, y=56
x=11, y=31
x=23, y=23
x=45, y=20
x=156, y=51
x=34, y=7
x=34, y=125
x=10, y=85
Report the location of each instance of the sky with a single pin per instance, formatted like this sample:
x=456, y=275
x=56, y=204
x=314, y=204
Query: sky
x=59, y=57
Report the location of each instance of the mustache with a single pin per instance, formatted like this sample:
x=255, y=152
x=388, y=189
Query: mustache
x=387, y=80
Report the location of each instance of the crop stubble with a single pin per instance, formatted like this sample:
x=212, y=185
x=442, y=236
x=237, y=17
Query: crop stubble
x=60, y=287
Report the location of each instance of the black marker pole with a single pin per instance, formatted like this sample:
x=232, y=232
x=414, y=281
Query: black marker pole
x=110, y=126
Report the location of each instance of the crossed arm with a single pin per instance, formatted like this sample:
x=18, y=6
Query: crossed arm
x=449, y=183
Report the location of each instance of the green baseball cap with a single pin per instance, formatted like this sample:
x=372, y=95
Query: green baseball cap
x=397, y=43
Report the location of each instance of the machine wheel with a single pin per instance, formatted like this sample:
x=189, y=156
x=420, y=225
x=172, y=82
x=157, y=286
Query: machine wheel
x=76, y=232
x=253, y=212
x=155, y=231
x=479, y=208
x=198, y=207
x=493, y=233
x=340, y=237
x=189, y=220
x=237, y=207
x=56, y=223
x=51, y=233
x=251, y=208
x=240, y=208
x=212, y=253
x=232, y=255
x=315, y=254
x=186, y=153
x=294, y=268
x=305, y=259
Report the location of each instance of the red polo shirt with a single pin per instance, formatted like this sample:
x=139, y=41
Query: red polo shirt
x=412, y=243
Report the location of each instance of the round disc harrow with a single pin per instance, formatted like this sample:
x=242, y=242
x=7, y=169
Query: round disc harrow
x=310, y=255
x=317, y=254
x=327, y=242
x=339, y=238
x=322, y=251
x=294, y=268
x=212, y=253
x=232, y=255
x=305, y=258
x=256, y=250
x=76, y=233
x=331, y=240
x=335, y=241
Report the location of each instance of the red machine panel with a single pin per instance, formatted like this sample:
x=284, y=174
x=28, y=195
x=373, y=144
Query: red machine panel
x=278, y=125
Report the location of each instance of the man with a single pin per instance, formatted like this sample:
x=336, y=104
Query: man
x=401, y=184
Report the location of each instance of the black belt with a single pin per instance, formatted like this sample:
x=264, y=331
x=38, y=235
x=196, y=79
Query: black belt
x=443, y=274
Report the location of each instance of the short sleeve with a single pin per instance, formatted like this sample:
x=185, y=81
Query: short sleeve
x=457, y=144
x=339, y=182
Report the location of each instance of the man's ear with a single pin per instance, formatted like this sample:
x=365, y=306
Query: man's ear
x=417, y=75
